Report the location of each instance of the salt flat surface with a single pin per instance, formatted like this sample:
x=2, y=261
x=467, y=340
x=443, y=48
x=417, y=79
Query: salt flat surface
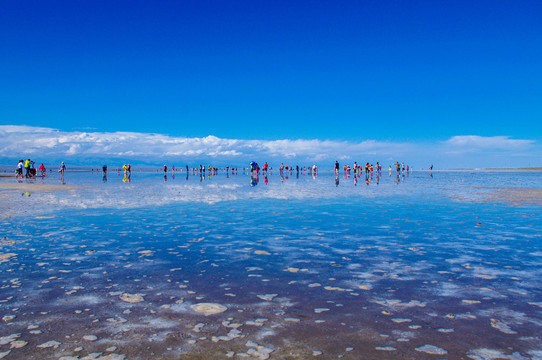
x=222, y=267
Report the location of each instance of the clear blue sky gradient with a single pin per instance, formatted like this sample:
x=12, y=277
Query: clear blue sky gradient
x=339, y=70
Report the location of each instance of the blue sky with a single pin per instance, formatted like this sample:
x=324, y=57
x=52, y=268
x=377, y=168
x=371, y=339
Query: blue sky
x=417, y=72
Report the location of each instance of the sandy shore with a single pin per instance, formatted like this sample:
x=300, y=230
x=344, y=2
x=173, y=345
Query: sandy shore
x=26, y=186
x=516, y=196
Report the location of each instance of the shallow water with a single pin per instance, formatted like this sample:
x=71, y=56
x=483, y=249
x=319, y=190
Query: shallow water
x=443, y=266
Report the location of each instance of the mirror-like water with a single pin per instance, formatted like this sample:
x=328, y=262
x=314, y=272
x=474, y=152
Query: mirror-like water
x=420, y=266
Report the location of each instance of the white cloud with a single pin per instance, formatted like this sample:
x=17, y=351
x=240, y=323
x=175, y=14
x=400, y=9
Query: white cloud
x=472, y=142
x=458, y=151
x=54, y=143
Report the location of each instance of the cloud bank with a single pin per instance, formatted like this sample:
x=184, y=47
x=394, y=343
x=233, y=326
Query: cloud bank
x=47, y=143
x=469, y=143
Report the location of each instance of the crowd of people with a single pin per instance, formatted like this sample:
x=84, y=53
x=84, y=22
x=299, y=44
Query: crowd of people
x=29, y=167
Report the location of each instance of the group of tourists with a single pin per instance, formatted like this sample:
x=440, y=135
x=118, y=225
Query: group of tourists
x=400, y=168
x=359, y=169
x=128, y=169
x=29, y=167
x=201, y=169
x=313, y=169
x=26, y=168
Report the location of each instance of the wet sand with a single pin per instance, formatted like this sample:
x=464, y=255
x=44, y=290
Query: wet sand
x=508, y=195
x=31, y=186
x=516, y=196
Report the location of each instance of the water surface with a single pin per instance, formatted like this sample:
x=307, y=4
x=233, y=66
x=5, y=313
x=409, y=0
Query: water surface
x=295, y=267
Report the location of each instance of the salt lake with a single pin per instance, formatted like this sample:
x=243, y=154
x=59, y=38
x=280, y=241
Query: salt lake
x=423, y=266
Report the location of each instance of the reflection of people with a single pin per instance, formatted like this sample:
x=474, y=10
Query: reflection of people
x=337, y=176
x=254, y=179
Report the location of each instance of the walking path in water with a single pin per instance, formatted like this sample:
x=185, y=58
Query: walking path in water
x=446, y=266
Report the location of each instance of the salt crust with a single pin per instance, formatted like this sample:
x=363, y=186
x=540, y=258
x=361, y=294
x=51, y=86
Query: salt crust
x=208, y=308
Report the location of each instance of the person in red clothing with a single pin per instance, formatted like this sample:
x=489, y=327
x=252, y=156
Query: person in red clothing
x=42, y=169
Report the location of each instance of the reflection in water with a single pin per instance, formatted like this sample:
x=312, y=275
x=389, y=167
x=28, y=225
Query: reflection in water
x=303, y=187
x=254, y=179
x=296, y=269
